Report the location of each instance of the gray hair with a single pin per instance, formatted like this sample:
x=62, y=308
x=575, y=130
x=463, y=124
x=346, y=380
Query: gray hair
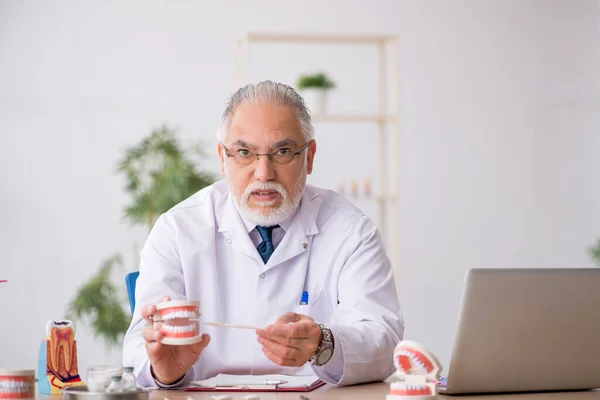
x=269, y=92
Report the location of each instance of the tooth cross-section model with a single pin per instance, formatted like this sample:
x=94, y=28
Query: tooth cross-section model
x=178, y=321
x=418, y=372
x=57, y=366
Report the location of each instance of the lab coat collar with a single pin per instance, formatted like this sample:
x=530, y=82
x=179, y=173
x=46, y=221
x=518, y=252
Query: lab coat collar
x=232, y=227
x=298, y=237
x=302, y=225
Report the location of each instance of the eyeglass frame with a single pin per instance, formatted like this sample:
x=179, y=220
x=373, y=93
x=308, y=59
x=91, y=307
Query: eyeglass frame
x=269, y=155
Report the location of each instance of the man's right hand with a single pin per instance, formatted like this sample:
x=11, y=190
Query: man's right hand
x=169, y=363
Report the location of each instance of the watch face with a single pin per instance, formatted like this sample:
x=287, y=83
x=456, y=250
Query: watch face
x=324, y=356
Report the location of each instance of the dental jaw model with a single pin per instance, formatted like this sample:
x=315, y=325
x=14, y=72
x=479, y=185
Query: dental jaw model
x=17, y=384
x=178, y=321
x=57, y=367
x=418, y=372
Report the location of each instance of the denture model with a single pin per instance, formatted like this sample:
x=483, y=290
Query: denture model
x=57, y=362
x=17, y=384
x=417, y=370
x=178, y=321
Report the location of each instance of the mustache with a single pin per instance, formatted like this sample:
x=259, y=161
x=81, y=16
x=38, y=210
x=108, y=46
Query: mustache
x=265, y=186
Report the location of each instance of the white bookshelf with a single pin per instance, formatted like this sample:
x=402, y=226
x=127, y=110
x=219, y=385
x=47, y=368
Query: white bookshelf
x=387, y=122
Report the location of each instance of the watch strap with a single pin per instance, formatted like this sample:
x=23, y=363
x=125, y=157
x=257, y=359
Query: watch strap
x=326, y=343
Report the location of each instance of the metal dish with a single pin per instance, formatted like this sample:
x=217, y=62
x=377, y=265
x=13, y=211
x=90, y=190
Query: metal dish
x=82, y=393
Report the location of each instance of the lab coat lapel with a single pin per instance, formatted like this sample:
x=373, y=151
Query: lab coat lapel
x=234, y=231
x=298, y=237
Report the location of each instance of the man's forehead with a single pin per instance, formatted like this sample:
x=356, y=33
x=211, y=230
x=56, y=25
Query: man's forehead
x=264, y=125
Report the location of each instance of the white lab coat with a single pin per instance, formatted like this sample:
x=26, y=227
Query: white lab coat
x=201, y=250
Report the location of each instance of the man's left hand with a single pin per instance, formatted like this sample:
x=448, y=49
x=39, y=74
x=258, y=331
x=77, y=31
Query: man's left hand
x=291, y=340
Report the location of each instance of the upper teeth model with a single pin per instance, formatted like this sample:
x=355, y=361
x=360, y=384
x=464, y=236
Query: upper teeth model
x=417, y=370
x=178, y=321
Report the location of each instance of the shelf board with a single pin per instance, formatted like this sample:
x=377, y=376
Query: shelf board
x=319, y=38
x=353, y=118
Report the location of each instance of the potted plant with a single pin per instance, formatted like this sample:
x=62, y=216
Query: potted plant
x=313, y=88
x=159, y=173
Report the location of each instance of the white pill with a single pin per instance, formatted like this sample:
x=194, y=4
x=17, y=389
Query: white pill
x=222, y=397
x=251, y=397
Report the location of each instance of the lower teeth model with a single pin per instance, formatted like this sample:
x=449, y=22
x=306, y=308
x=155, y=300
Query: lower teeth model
x=17, y=384
x=417, y=370
x=178, y=321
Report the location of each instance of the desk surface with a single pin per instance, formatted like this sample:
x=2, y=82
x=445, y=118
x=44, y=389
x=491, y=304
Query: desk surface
x=358, y=392
x=367, y=392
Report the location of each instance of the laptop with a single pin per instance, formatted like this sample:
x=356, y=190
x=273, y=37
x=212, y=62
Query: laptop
x=527, y=330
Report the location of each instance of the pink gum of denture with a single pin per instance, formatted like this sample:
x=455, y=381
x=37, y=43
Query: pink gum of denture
x=177, y=320
x=417, y=370
x=17, y=384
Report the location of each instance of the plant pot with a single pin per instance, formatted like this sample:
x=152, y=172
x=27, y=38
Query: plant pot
x=315, y=99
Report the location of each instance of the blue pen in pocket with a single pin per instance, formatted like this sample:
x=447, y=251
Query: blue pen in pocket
x=304, y=299
x=302, y=308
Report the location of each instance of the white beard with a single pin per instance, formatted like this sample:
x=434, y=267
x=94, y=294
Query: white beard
x=264, y=214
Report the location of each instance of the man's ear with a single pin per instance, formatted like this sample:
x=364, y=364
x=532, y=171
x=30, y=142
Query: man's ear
x=221, y=152
x=312, y=149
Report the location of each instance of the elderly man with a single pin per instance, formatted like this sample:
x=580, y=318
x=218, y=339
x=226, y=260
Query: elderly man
x=248, y=248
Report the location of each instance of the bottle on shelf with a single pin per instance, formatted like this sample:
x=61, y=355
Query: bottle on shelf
x=354, y=191
x=367, y=187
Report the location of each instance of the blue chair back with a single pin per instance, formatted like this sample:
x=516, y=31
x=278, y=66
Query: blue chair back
x=130, y=280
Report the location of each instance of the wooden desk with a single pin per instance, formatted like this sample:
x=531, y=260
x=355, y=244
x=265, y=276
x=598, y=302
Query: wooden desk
x=370, y=391
x=358, y=392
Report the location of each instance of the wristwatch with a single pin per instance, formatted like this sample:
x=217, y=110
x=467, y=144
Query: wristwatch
x=325, y=349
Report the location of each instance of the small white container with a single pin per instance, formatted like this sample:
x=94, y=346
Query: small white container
x=128, y=381
x=116, y=385
x=98, y=377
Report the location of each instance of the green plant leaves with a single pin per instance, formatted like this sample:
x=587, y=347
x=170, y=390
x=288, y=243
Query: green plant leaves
x=318, y=80
x=159, y=174
x=595, y=252
x=101, y=303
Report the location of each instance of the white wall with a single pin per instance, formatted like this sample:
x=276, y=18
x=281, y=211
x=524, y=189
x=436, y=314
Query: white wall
x=500, y=149
x=500, y=104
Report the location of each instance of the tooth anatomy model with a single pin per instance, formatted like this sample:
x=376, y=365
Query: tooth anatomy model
x=57, y=367
x=418, y=372
x=178, y=321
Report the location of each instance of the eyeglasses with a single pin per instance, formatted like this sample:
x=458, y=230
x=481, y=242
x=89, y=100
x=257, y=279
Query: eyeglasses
x=245, y=157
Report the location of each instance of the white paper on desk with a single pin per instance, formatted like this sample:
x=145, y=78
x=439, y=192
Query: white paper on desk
x=293, y=381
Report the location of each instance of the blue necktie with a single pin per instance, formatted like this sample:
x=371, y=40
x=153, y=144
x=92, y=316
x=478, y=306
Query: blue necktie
x=266, y=247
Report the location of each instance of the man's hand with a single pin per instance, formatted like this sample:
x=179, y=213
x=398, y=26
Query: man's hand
x=291, y=340
x=169, y=363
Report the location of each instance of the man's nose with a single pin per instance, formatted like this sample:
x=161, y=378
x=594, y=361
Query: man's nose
x=264, y=170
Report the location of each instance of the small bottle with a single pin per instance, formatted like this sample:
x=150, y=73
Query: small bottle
x=128, y=380
x=367, y=187
x=354, y=190
x=115, y=384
